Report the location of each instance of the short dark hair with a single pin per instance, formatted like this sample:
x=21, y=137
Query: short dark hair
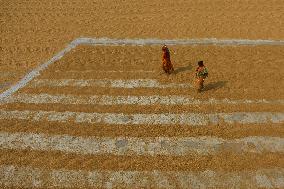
x=200, y=63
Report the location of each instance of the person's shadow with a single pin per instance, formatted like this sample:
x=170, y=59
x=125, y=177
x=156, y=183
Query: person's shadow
x=214, y=85
x=182, y=69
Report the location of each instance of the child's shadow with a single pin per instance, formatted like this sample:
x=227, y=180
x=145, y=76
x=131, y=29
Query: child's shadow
x=215, y=85
x=182, y=69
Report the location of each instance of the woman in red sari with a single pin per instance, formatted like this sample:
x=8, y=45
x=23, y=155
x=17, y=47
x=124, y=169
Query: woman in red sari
x=166, y=60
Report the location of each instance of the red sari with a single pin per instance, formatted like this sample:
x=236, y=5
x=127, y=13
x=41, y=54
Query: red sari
x=166, y=61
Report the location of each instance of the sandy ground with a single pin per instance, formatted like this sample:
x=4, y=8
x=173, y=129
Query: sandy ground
x=235, y=72
x=33, y=31
x=255, y=66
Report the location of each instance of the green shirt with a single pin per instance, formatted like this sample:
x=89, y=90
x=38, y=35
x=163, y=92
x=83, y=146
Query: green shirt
x=203, y=73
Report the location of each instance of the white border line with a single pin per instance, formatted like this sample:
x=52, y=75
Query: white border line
x=106, y=41
x=31, y=177
x=105, y=71
x=142, y=42
x=36, y=72
x=110, y=83
x=192, y=119
x=106, y=100
x=142, y=146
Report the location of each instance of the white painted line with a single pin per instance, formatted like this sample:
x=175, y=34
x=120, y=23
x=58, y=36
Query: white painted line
x=126, y=100
x=105, y=71
x=28, y=177
x=34, y=73
x=208, y=41
x=193, y=119
x=112, y=83
x=170, y=146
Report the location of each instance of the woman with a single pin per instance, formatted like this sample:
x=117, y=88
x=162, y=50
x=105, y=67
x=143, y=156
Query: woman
x=166, y=60
x=201, y=73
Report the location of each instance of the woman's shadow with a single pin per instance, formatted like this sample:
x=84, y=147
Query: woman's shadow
x=182, y=69
x=214, y=85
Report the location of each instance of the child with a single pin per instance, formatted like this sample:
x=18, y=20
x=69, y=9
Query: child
x=166, y=60
x=201, y=73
